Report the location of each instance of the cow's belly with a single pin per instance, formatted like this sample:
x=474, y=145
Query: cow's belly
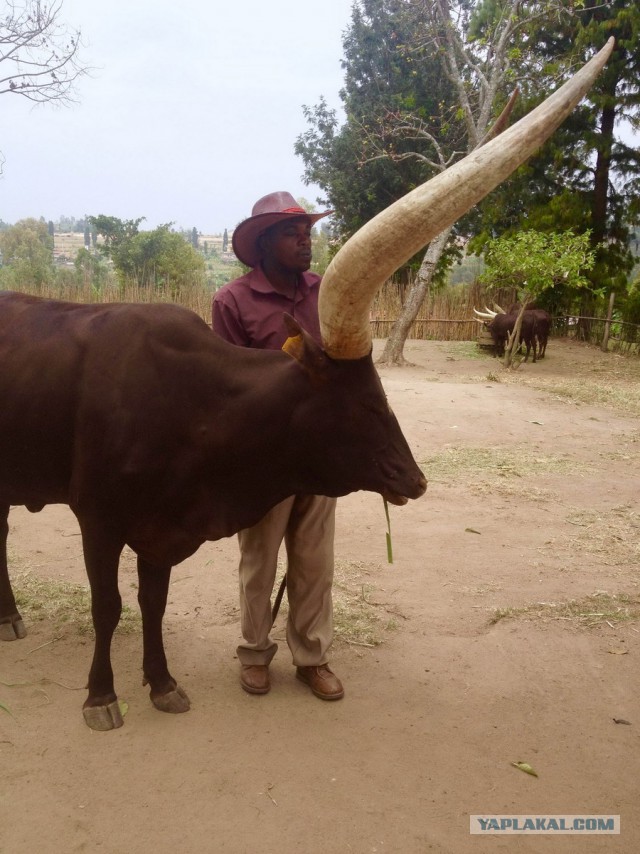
x=33, y=475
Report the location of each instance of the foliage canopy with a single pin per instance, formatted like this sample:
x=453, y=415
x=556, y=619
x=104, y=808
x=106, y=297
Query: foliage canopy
x=27, y=254
x=533, y=262
x=151, y=258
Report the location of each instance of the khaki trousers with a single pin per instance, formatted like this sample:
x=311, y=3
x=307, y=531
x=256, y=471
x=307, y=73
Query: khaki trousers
x=306, y=523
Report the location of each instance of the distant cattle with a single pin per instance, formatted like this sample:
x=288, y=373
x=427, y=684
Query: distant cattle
x=542, y=327
x=501, y=326
x=161, y=436
x=534, y=331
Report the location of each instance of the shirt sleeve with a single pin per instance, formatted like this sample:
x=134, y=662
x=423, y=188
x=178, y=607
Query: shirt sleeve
x=226, y=322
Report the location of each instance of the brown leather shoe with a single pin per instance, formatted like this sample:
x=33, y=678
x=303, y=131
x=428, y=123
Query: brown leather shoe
x=254, y=678
x=322, y=680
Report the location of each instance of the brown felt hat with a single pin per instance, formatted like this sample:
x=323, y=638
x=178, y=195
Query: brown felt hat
x=266, y=212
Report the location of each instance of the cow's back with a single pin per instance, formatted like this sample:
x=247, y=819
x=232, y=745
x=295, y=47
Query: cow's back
x=62, y=363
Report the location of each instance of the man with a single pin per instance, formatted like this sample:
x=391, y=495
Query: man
x=275, y=241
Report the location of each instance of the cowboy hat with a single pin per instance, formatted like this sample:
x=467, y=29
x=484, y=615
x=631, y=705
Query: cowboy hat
x=266, y=212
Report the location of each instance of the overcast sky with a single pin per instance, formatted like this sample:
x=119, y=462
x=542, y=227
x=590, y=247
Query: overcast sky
x=190, y=113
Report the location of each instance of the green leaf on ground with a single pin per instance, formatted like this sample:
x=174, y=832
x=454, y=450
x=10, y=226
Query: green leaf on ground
x=524, y=766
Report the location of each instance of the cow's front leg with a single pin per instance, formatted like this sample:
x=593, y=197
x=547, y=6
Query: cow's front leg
x=102, y=550
x=11, y=625
x=153, y=587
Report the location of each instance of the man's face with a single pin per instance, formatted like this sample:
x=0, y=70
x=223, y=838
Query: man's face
x=288, y=245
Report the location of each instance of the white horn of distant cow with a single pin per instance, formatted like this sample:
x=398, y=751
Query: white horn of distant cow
x=484, y=315
x=387, y=241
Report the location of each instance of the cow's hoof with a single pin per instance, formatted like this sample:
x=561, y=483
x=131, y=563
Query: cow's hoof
x=103, y=718
x=13, y=630
x=175, y=701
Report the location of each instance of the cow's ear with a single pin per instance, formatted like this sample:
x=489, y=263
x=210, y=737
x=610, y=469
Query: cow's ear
x=302, y=347
x=293, y=327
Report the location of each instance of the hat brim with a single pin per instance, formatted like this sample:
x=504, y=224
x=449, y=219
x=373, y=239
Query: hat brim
x=245, y=236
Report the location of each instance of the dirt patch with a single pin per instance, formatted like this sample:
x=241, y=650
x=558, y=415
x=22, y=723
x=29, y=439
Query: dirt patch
x=532, y=506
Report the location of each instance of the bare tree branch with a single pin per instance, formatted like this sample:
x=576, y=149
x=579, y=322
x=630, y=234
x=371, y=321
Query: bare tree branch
x=405, y=126
x=39, y=55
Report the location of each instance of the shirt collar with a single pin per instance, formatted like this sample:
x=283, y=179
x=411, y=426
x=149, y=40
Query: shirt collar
x=259, y=282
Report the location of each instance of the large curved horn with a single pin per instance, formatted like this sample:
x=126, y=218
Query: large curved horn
x=387, y=241
x=485, y=315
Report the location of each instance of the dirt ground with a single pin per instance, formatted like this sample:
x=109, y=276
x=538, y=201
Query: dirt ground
x=532, y=503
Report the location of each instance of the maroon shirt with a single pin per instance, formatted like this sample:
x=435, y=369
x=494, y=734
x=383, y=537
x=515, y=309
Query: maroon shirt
x=249, y=312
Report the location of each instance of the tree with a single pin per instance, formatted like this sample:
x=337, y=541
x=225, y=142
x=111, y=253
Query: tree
x=225, y=240
x=39, y=54
x=27, y=254
x=380, y=79
x=585, y=178
x=531, y=263
x=158, y=258
x=614, y=168
x=163, y=258
x=92, y=268
x=481, y=46
x=114, y=231
x=467, y=54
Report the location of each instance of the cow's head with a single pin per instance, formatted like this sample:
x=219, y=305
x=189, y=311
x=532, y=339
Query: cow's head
x=347, y=435
x=486, y=318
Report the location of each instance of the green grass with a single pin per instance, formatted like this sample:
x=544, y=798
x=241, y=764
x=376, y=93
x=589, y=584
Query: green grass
x=467, y=350
x=65, y=605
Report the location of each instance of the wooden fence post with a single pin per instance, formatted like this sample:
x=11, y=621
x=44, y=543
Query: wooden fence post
x=607, y=325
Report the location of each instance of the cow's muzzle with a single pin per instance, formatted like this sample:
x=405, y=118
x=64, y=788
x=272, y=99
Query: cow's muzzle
x=400, y=499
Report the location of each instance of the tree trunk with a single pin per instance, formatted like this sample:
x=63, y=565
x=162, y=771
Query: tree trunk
x=513, y=341
x=392, y=353
x=601, y=180
x=607, y=326
x=599, y=206
x=583, y=329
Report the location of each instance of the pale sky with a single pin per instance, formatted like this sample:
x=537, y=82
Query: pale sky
x=189, y=115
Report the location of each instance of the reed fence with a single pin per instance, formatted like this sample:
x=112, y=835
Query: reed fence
x=447, y=315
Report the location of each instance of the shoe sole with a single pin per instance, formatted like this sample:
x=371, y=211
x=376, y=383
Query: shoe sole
x=319, y=694
x=251, y=690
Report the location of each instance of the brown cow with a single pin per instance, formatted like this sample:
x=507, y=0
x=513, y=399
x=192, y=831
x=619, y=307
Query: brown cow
x=501, y=327
x=161, y=436
x=534, y=331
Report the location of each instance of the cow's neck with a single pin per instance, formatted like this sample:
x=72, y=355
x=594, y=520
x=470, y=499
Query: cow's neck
x=265, y=452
